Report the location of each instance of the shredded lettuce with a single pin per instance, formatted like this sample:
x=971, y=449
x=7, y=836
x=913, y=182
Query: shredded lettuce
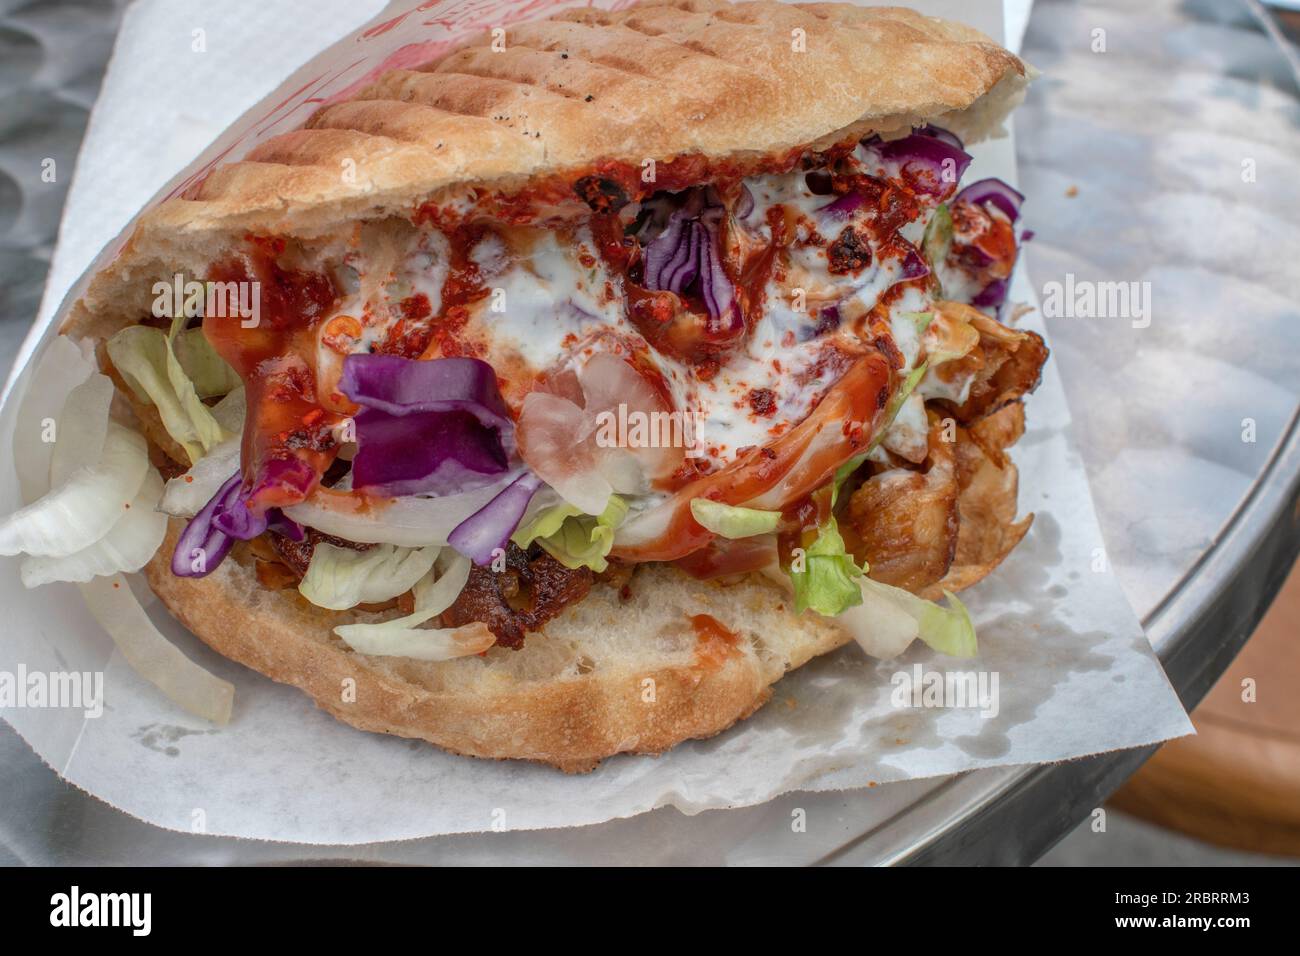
x=211, y=374
x=883, y=619
x=340, y=578
x=880, y=627
x=438, y=590
x=185, y=495
x=827, y=581
x=544, y=523
x=731, y=521
x=231, y=411
x=948, y=337
x=937, y=240
x=146, y=358
x=574, y=539
x=891, y=618
x=921, y=320
x=204, y=423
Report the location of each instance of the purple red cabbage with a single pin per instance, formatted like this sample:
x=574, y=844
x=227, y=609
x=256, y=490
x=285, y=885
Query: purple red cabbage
x=993, y=192
x=436, y=426
x=402, y=386
x=933, y=157
x=844, y=206
x=280, y=480
x=1006, y=199
x=201, y=541
x=684, y=257
x=480, y=535
x=431, y=426
x=744, y=203
x=438, y=453
x=914, y=265
x=992, y=295
x=229, y=516
x=284, y=526
x=938, y=132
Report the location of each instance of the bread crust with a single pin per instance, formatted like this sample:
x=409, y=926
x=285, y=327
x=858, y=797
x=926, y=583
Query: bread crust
x=658, y=80
x=609, y=675
x=664, y=79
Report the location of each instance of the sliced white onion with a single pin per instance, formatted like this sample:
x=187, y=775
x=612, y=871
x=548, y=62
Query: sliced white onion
x=128, y=546
x=83, y=428
x=154, y=657
x=186, y=494
x=644, y=526
x=231, y=411
x=435, y=595
x=81, y=511
x=410, y=522
x=880, y=628
x=56, y=373
x=622, y=469
x=404, y=638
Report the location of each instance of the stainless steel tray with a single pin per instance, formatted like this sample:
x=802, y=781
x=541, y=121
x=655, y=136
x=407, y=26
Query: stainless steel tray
x=1201, y=527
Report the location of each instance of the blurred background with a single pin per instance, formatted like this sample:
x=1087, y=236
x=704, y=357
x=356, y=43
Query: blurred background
x=1232, y=794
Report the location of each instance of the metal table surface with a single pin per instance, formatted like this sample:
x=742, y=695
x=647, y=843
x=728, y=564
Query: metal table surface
x=1135, y=160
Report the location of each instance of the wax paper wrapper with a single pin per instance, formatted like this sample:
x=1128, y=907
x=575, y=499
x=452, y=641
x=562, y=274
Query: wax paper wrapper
x=1075, y=674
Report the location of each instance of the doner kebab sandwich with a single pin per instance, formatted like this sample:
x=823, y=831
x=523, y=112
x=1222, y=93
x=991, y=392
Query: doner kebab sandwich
x=554, y=398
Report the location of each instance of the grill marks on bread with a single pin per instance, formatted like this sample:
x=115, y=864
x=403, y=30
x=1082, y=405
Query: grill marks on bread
x=658, y=80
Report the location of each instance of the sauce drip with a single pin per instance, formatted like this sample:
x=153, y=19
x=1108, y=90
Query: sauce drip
x=715, y=643
x=275, y=359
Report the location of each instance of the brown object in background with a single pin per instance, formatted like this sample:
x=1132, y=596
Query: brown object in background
x=1237, y=783
x=1289, y=21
